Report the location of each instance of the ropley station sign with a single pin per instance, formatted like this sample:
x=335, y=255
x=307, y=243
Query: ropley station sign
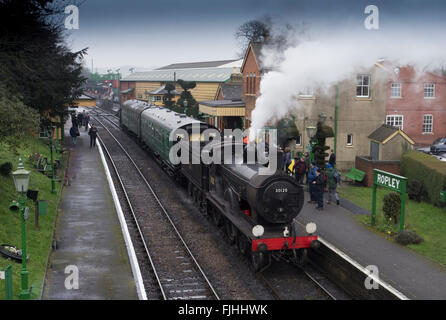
x=389, y=180
x=393, y=182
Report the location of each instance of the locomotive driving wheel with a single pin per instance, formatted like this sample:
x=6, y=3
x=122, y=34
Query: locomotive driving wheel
x=230, y=231
x=243, y=243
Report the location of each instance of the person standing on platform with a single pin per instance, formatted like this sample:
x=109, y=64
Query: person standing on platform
x=74, y=133
x=319, y=183
x=311, y=178
x=332, y=184
x=74, y=121
x=300, y=169
x=80, y=119
x=93, y=133
x=286, y=160
x=308, y=163
x=86, y=120
x=332, y=159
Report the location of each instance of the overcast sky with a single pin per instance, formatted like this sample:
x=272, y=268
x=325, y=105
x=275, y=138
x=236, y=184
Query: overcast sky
x=148, y=33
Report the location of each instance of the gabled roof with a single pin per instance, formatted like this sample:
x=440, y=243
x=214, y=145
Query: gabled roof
x=231, y=91
x=162, y=90
x=256, y=48
x=189, y=74
x=201, y=64
x=385, y=133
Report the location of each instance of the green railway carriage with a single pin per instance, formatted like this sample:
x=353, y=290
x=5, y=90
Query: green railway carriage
x=153, y=126
x=157, y=123
x=131, y=115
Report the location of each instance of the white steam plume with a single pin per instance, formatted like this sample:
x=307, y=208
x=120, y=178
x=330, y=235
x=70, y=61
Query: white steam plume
x=320, y=64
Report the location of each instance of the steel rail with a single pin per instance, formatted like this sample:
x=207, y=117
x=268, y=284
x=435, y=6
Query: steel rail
x=164, y=211
x=134, y=217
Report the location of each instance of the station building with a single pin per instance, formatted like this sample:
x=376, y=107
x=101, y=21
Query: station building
x=416, y=103
x=208, y=75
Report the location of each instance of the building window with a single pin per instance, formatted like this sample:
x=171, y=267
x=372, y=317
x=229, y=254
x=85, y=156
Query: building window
x=395, y=121
x=395, y=90
x=428, y=121
x=350, y=139
x=363, y=86
x=247, y=83
x=254, y=83
x=299, y=140
x=429, y=90
x=306, y=93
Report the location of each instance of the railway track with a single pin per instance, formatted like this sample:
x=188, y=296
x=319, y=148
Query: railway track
x=176, y=272
x=323, y=288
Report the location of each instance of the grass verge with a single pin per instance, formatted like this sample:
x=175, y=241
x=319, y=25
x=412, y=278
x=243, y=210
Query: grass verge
x=425, y=219
x=38, y=241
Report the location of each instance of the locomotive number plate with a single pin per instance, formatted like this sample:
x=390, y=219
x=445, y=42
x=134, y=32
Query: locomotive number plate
x=281, y=190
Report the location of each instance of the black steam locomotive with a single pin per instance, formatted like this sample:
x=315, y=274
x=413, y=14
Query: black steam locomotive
x=255, y=211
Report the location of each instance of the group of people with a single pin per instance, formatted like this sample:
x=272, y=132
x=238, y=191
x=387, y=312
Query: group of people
x=79, y=120
x=316, y=178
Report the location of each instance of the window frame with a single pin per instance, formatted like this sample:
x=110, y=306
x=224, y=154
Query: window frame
x=433, y=90
x=431, y=124
x=393, y=124
x=400, y=90
x=350, y=135
x=368, y=86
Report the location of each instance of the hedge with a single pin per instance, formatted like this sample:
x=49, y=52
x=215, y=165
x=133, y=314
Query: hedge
x=428, y=170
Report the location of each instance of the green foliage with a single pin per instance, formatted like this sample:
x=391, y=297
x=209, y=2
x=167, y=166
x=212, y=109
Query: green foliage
x=406, y=237
x=392, y=207
x=417, y=191
x=168, y=103
x=286, y=130
x=38, y=241
x=319, y=149
x=35, y=60
x=17, y=120
x=192, y=106
x=5, y=169
x=428, y=170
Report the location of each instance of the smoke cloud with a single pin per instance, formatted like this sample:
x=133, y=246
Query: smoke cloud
x=323, y=62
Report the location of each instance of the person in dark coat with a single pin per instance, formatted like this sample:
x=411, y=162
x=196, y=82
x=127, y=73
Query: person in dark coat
x=93, y=133
x=74, y=121
x=80, y=119
x=311, y=178
x=286, y=161
x=332, y=184
x=318, y=183
x=74, y=132
x=300, y=169
x=86, y=120
x=332, y=159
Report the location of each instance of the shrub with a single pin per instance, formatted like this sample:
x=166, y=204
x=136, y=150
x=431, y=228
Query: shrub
x=417, y=191
x=406, y=237
x=428, y=170
x=392, y=207
x=5, y=169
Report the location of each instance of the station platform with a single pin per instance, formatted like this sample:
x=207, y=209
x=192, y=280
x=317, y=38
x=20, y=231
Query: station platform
x=413, y=275
x=88, y=233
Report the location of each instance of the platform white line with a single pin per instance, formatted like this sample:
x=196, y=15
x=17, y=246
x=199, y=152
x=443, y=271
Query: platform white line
x=356, y=264
x=125, y=232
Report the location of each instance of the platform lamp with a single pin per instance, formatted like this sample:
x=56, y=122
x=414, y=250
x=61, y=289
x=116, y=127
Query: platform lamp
x=311, y=131
x=21, y=182
x=53, y=181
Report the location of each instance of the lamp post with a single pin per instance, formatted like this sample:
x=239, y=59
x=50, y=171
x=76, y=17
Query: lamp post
x=21, y=182
x=185, y=103
x=53, y=181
